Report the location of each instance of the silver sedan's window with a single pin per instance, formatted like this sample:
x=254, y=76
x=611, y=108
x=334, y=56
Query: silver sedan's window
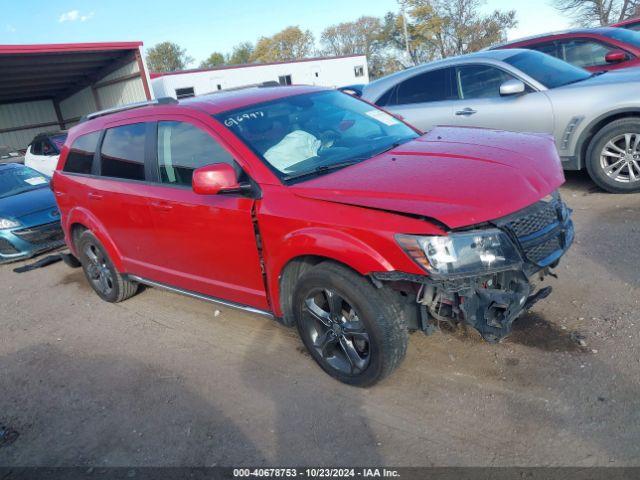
x=549, y=71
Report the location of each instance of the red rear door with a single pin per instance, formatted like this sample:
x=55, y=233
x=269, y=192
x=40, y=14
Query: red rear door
x=118, y=197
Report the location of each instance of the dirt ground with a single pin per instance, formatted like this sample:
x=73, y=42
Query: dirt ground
x=166, y=380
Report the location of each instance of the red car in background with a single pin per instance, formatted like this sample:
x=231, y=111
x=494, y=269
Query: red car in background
x=595, y=49
x=630, y=23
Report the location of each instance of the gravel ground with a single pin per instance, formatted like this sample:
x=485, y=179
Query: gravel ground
x=166, y=380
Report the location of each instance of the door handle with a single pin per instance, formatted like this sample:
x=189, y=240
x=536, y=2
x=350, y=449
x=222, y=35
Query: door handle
x=95, y=196
x=466, y=112
x=162, y=206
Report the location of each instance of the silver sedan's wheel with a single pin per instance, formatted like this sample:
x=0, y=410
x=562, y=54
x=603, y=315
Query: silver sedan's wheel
x=613, y=156
x=620, y=158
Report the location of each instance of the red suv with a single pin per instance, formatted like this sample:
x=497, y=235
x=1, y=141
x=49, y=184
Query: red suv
x=594, y=49
x=318, y=209
x=630, y=24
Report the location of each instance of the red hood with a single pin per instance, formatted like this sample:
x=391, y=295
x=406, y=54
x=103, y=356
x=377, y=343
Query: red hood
x=459, y=176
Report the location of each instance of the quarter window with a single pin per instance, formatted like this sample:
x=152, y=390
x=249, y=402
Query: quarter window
x=182, y=148
x=480, y=81
x=431, y=86
x=122, y=154
x=80, y=158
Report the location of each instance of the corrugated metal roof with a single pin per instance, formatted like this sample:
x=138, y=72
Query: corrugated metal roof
x=68, y=47
x=33, y=72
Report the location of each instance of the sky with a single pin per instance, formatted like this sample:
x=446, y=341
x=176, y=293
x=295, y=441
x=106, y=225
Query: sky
x=205, y=26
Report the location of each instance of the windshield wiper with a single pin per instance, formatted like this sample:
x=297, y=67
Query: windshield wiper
x=594, y=74
x=326, y=168
x=320, y=170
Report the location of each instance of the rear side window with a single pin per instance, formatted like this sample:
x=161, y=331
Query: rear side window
x=182, y=148
x=122, y=154
x=433, y=86
x=80, y=158
x=36, y=147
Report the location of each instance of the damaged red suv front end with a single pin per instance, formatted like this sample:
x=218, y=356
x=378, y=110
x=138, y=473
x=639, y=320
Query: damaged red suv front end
x=493, y=195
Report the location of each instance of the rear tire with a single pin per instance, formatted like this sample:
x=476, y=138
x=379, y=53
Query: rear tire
x=613, y=156
x=101, y=274
x=356, y=333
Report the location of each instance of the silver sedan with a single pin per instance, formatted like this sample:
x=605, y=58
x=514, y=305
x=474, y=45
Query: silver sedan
x=594, y=117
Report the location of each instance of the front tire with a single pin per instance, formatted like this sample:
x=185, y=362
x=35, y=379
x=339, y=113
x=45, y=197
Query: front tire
x=613, y=157
x=356, y=333
x=101, y=274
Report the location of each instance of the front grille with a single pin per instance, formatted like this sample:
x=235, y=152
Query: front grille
x=543, y=231
x=544, y=215
x=538, y=253
x=42, y=234
x=6, y=247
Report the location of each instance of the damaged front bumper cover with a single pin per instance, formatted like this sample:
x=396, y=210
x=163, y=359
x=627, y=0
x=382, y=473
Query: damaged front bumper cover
x=491, y=302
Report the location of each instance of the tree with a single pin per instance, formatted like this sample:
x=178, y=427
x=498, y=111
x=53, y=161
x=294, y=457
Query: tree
x=360, y=37
x=443, y=28
x=290, y=44
x=589, y=13
x=167, y=57
x=240, y=54
x=215, y=59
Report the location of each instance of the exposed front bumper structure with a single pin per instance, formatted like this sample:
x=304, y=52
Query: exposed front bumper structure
x=491, y=302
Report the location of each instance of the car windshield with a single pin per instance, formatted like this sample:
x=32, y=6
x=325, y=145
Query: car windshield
x=549, y=71
x=58, y=140
x=311, y=134
x=19, y=180
x=624, y=35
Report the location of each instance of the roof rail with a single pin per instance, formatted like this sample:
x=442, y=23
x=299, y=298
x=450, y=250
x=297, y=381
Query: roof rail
x=129, y=106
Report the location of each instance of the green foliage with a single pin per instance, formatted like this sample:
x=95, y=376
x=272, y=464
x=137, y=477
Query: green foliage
x=443, y=28
x=240, y=54
x=435, y=29
x=289, y=44
x=214, y=60
x=167, y=57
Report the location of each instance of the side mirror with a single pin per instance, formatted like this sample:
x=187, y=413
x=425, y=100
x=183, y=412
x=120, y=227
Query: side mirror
x=512, y=87
x=615, y=56
x=214, y=179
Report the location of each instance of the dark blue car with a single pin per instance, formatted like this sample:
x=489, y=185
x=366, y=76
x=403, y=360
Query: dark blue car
x=29, y=216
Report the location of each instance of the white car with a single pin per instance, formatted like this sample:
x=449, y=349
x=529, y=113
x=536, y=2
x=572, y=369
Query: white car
x=44, y=151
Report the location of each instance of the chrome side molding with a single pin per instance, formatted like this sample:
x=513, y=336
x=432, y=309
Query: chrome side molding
x=200, y=296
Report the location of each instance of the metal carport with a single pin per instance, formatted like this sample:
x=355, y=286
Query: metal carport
x=49, y=87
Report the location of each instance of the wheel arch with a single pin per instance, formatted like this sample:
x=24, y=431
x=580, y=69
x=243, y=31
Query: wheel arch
x=79, y=220
x=303, y=250
x=587, y=134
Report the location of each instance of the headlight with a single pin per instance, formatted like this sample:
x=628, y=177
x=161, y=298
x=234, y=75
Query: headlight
x=464, y=253
x=6, y=223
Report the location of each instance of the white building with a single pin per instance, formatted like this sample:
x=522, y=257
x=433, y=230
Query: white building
x=324, y=71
